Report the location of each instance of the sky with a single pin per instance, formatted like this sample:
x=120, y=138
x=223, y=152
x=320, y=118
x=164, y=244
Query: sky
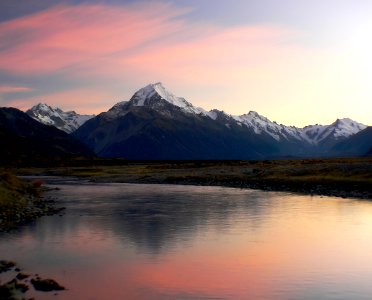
x=296, y=62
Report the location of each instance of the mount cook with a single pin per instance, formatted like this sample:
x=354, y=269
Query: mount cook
x=155, y=124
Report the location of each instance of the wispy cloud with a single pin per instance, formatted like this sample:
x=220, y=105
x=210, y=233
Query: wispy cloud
x=136, y=44
x=65, y=36
x=7, y=89
x=98, y=38
x=114, y=49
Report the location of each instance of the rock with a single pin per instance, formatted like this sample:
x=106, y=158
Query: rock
x=5, y=292
x=13, y=290
x=6, y=265
x=21, y=276
x=46, y=285
x=18, y=286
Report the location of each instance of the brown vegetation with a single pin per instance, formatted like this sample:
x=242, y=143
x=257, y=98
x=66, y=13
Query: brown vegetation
x=21, y=201
x=338, y=177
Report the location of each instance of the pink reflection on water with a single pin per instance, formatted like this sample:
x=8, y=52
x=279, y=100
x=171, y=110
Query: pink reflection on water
x=314, y=247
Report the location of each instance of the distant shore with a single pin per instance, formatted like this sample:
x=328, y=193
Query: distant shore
x=347, y=178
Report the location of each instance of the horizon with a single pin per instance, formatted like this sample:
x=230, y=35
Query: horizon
x=295, y=63
x=83, y=113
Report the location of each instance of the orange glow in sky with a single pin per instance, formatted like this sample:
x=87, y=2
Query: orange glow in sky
x=87, y=57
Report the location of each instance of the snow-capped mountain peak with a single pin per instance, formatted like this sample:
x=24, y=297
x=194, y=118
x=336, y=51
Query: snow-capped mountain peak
x=42, y=107
x=145, y=97
x=260, y=124
x=346, y=127
x=215, y=114
x=156, y=96
x=346, y=122
x=67, y=121
x=341, y=128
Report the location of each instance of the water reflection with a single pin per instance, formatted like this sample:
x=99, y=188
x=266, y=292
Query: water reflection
x=158, y=219
x=122, y=241
x=155, y=217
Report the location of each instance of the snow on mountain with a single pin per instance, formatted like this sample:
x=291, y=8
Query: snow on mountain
x=216, y=114
x=261, y=124
x=156, y=96
x=67, y=121
x=346, y=127
x=213, y=114
x=150, y=96
x=341, y=128
x=314, y=134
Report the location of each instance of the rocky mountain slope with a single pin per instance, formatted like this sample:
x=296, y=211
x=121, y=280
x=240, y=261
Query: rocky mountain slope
x=357, y=145
x=155, y=124
x=24, y=139
x=67, y=121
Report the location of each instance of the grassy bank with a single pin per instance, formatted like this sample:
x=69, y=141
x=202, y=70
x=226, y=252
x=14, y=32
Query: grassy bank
x=21, y=201
x=337, y=177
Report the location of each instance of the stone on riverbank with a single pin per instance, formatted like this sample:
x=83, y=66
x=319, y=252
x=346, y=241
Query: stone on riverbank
x=46, y=285
x=16, y=288
x=6, y=266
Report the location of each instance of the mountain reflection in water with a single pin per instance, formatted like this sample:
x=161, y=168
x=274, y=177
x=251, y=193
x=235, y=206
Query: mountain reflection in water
x=127, y=241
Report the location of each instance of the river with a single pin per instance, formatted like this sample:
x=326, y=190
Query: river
x=138, y=241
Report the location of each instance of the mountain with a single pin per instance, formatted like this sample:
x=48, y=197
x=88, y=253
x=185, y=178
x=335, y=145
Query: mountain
x=312, y=134
x=25, y=139
x=329, y=135
x=155, y=97
x=359, y=144
x=67, y=121
x=313, y=140
x=155, y=124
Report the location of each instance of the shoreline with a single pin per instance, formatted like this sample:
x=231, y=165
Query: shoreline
x=345, y=178
x=262, y=186
x=22, y=202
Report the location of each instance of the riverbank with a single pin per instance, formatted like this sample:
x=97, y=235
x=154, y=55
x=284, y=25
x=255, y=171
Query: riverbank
x=350, y=178
x=21, y=202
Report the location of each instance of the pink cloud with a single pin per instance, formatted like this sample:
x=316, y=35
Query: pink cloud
x=8, y=89
x=133, y=44
x=68, y=35
x=114, y=50
x=232, y=48
x=82, y=100
x=103, y=39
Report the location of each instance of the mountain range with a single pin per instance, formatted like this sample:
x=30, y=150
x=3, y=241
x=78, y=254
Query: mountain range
x=155, y=124
x=26, y=140
x=66, y=121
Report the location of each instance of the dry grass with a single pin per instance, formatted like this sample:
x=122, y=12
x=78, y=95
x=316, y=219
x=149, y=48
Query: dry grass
x=12, y=192
x=321, y=176
x=20, y=201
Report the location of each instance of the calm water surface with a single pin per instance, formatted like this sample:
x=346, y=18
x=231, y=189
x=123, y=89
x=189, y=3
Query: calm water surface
x=128, y=241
